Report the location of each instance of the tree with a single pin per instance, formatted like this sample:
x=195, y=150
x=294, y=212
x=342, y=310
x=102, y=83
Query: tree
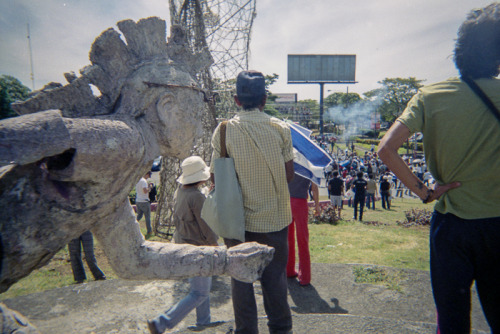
x=395, y=95
x=11, y=90
x=339, y=98
x=313, y=105
x=269, y=80
x=268, y=108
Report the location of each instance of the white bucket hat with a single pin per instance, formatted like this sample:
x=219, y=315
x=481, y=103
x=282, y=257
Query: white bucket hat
x=194, y=170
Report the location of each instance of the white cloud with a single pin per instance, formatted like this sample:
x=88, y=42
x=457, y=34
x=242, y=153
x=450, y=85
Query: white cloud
x=61, y=33
x=390, y=38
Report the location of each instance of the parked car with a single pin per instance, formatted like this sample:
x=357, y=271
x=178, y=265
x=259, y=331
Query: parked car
x=156, y=165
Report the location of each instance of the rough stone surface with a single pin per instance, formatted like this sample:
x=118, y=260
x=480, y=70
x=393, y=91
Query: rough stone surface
x=333, y=303
x=11, y=319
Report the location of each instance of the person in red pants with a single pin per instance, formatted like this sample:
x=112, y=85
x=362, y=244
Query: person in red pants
x=299, y=188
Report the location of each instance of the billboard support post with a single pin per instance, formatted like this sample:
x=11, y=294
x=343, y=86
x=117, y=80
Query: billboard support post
x=321, y=92
x=322, y=69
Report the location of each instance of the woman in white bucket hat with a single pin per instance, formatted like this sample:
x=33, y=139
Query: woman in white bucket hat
x=194, y=170
x=190, y=229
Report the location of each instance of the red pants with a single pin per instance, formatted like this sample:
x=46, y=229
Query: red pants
x=300, y=217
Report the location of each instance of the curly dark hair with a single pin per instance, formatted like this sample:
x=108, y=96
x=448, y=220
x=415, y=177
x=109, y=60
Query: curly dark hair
x=477, y=50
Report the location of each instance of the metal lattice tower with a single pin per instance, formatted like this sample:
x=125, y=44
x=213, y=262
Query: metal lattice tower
x=224, y=27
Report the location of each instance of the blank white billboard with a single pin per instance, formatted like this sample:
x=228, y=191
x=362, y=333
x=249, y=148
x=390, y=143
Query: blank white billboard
x=321, y=68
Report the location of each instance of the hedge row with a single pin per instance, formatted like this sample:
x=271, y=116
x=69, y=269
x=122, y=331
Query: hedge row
x=368, y=141
x=420, y=146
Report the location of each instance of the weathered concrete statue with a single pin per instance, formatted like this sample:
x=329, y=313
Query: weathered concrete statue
x=69, y=162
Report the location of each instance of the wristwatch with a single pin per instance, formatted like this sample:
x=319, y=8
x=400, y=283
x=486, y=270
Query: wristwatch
x=428, y=197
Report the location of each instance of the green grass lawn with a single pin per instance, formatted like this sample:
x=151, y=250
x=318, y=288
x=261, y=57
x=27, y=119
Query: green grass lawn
x=353, y=242
x=377, y=240
x=360, y=149
x=385, y=243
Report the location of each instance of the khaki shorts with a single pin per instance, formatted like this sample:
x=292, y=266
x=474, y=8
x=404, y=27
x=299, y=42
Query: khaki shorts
x=336, y=201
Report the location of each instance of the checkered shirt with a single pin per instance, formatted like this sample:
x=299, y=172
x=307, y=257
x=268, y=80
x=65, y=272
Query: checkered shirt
x=260, y=145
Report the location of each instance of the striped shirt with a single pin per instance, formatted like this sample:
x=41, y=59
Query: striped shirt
x=260, y=145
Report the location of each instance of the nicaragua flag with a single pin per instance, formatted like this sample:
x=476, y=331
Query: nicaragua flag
x=310, y=159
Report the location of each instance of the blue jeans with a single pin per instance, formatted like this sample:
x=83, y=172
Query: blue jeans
x=198, y=297
x=370, y=197
x=464, y=251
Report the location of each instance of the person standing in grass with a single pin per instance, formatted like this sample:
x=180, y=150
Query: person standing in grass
x=359, y=187
x=86, y=240
x=142, y=202
x=371, y=191
x=336, y=192
x=462, y=150
x=300, y=217
x=385, y=192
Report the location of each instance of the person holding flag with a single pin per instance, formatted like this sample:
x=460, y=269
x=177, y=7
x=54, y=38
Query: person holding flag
x=309, y=163
x=299, y=188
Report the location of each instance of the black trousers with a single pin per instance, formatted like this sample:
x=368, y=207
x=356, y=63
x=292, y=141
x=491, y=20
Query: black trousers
x=386, y=203
x=464, y=251
x=274, y=288
x=361, y=201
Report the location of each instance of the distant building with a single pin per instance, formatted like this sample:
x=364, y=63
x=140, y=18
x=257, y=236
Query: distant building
x=287, y=105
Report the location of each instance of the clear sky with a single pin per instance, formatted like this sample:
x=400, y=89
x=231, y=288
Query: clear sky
x=391, y=38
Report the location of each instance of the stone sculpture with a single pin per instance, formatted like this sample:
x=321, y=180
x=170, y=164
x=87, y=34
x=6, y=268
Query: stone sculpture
x=68, y=163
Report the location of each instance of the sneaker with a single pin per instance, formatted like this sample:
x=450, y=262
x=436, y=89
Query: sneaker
x=152, y=328
x=199, y=328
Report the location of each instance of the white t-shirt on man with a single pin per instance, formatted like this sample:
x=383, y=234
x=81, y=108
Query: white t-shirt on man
x=140, y=196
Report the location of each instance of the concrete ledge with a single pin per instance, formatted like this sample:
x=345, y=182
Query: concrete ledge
x=333, y=303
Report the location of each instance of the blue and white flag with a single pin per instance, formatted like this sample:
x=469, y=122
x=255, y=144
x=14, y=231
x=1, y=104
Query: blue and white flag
x=310, y=159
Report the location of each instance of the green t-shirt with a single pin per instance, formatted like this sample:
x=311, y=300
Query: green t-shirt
x=461, y=143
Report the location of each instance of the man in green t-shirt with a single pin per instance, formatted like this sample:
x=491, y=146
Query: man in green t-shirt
x=462, y=149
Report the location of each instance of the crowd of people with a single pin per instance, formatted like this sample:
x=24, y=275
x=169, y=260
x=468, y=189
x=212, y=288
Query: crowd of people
x=359, y=180
x=364, y=180
x=465, y=225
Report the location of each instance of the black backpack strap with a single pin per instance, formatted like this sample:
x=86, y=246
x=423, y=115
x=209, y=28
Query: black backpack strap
x=479, y=92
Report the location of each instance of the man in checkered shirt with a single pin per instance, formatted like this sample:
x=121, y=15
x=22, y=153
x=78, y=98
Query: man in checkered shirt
x=261, y=147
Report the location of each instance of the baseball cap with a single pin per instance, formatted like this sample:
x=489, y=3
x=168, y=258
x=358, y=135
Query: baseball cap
x=250, y=85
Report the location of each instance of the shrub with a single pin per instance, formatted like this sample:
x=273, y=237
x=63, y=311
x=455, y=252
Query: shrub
x=381, y=134
x=420, y=146
x=327, y=216
x=368, y=141
x=131, y=196
x=372, y=133
x=416, y=217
